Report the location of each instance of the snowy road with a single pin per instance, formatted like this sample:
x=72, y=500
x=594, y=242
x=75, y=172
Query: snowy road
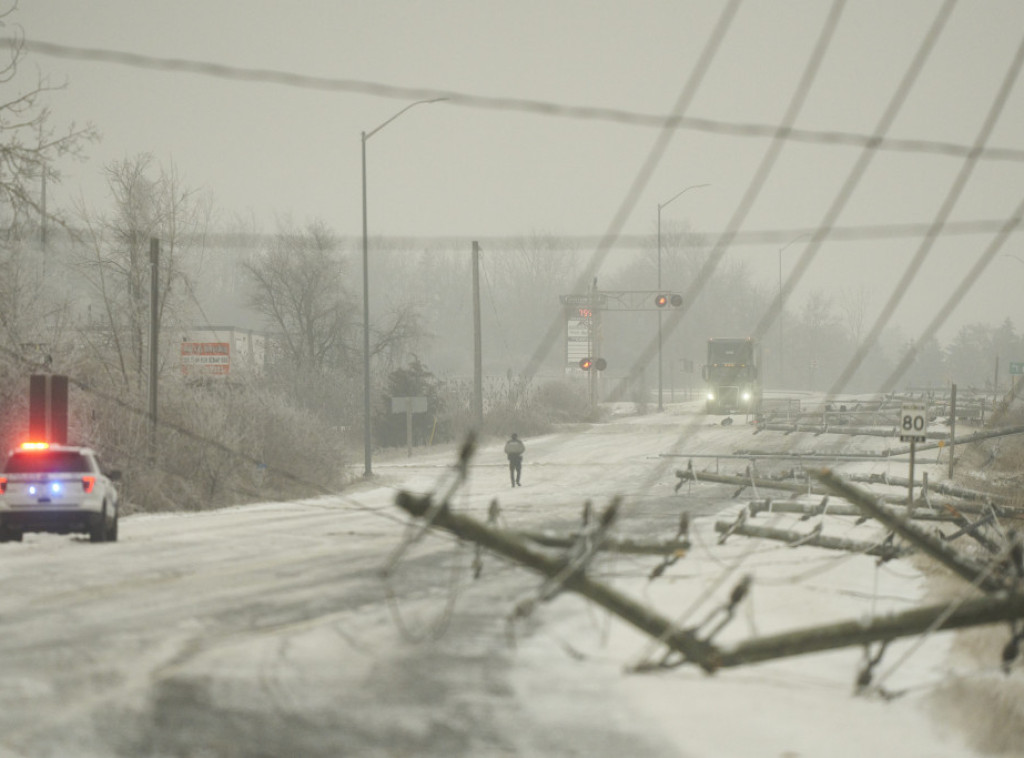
x=268, y=630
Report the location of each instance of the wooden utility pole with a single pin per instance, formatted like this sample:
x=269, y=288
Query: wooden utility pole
x=814, y=539
x=964, y=567
x=680, y=640
x=609, y=544
x=952, y=428
x=478, y=371
x=995, y=388
x=971, y=612
x=154, y=336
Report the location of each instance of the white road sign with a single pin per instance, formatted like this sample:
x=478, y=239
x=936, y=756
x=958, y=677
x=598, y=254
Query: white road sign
x=913, y=422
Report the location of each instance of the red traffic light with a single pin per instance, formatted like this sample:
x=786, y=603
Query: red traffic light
x=661, y=300
x=586, y=363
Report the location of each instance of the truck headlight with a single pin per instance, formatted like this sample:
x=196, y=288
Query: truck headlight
x=746, y=396
x=711, y=396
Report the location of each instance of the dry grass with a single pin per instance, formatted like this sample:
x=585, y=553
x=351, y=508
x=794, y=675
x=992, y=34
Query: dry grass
x=983, y=703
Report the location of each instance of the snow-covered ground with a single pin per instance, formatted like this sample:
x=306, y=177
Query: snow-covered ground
x=269, y=629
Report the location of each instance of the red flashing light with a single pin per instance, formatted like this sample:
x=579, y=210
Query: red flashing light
x=586, y=363
x=35, y=445
x=3, y=484
x=661, y=301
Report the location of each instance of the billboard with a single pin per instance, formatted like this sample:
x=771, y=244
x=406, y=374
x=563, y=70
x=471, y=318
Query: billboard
x=205, y=359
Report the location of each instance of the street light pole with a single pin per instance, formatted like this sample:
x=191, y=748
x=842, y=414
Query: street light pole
x=661, y=381
x=782, y=309
x=367, y=443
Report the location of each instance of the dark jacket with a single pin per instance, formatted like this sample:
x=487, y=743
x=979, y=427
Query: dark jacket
x=515, y=448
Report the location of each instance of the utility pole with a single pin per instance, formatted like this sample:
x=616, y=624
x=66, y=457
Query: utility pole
x=154, y=335
x=952, y=428
x=478, y=371
x=42, y=213
x=995, y=387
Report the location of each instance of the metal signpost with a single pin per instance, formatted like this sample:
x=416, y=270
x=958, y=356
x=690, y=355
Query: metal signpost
x=408, y=406
x=913, y=429
x=1016, y=369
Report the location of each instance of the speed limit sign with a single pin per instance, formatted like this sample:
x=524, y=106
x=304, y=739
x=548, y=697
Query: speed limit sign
x=913, y=422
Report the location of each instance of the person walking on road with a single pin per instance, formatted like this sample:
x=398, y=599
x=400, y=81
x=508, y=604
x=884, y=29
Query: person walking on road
x=514, y=449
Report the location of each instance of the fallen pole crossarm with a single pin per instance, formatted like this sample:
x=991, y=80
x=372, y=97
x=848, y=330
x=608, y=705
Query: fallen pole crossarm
x=973, y=530
x=682, y=641
x=880, y=550
x=972, y=612
x=959, y=564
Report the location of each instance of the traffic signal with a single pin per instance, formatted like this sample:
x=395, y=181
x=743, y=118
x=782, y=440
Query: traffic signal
x=586, y=363
x=600, y=364
x=661, y=300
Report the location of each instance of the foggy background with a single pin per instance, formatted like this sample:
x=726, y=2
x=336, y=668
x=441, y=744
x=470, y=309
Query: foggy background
x=552, y=109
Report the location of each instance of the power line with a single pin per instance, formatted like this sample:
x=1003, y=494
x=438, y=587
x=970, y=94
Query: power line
x=896, y=102
x=945, y=209
x=625, y=209
x=753, y=191
x=676, y=121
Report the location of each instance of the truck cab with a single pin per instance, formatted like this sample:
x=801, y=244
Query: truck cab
x=731, y=375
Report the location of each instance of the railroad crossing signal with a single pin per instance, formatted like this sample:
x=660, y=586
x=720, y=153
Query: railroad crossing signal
x=661, y=300
x=599, y=364
x=913, y=422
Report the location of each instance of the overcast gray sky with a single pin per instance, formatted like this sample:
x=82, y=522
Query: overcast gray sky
x=456, y=168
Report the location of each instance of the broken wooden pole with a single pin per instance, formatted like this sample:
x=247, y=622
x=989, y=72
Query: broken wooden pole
x=746, y=481
x=960, y=565
x=975, y=437
x=974, y=611
x=611, y=544
x=794, y=538
x=888, y=430
x=682, y=641
x=818, y=509
x=943, y=488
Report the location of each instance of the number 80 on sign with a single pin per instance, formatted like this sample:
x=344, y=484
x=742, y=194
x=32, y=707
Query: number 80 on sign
x=913, y=422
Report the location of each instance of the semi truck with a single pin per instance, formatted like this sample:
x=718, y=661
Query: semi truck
x=732, y=375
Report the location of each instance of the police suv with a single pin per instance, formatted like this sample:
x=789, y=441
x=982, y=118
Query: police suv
x=57, y=488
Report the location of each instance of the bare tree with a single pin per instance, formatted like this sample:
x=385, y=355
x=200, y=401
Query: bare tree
x=116, y=259
x=853, y=302
x=299, y=286
x=29, y=145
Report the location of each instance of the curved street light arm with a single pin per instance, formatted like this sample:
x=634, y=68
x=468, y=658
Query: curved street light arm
x=679, y=194
x=367, y=135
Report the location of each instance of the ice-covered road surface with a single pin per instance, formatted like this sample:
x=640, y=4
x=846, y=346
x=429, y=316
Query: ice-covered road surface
x=268, y=630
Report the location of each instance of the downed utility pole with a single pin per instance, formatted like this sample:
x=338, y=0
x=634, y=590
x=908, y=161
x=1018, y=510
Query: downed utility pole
x=814, y=539
x=860, y=431
x=819, y=509
x=682, y=641
x=972, y=612
x=611, y=544
x=960, y=565
x=975, y=437
x=943, y=488
x=688, y=475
